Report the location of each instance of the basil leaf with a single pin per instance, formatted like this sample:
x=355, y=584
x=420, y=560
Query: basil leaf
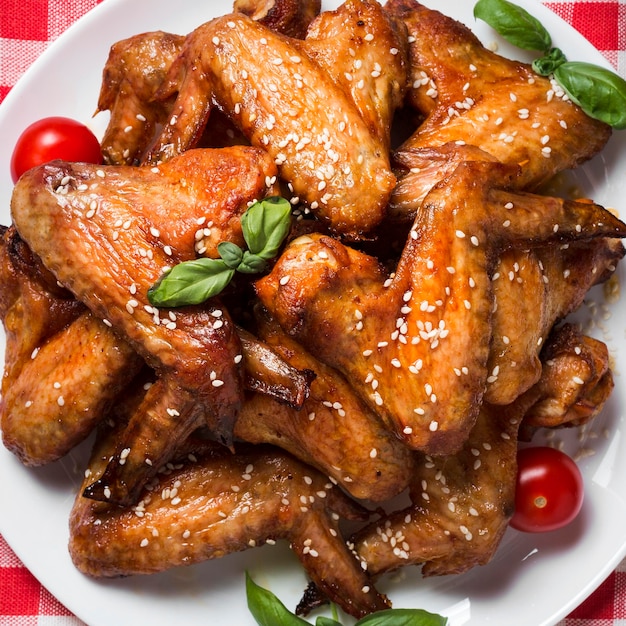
x=190, y=282
x=514, y=23
x=265, y=225
x=251, y=263
x=547, y=64
x=267, y=609
x=326, y=621
x=600, y=93
x=403, y=617
x=231, y=253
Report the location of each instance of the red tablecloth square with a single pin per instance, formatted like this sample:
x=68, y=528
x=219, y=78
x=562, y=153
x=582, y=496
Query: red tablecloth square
x=24, y=19
x=602, y=23
x=20, y=592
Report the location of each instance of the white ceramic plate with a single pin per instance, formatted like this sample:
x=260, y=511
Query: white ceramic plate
x=532, y=580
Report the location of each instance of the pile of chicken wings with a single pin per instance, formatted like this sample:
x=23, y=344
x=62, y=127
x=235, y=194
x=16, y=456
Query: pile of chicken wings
x=412, y=329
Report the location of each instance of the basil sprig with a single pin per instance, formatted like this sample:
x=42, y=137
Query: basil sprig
x=265, y=225
x=600, y=93
x=268, y=610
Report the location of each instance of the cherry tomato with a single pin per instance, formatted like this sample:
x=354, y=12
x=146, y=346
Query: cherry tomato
x=549, y=490
x=54, y=138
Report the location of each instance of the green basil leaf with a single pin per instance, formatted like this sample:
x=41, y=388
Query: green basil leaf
x=514, y=23
x=547, y=64
x=403, y=617
x=267, y=609
x=190, y=282
x=231, y=253
x=251, y=263
x=326, y=621
x=265, y=225
x=600, y=93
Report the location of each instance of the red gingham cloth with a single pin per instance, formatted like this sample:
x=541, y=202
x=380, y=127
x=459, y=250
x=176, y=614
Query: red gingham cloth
x=26, y=28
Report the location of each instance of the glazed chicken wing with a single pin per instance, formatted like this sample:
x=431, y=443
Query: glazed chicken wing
x=109, y=240
x=415, y=346
x=212, y=503
x=133, y=74
x=64, y=391
x=333, y=431
x=534, y=289
x=279, y=97
x=54, y=388
x=461, y=505
x=473, y=96
x=575, y=382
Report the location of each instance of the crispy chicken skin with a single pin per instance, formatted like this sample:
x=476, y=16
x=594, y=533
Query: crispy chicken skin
x=461, y=505
x=214, y=503
x=334, y=430
x=415, y=346
x=278, y=96
x=107, y=233
x=473, y=95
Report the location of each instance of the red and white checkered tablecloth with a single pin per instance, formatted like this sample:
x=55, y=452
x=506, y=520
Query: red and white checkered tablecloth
x=26, y=28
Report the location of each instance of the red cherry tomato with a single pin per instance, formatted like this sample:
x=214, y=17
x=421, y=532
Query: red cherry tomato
x=549, y=491
x=54, y=138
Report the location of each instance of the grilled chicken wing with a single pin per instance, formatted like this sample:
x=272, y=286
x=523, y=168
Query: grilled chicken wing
x=212, y=503
x=415, y=346
x=132, y=75
x=334, y=430
x=279, y=96
x=63, y=392
x=533, y=290
x=575, y=382
x=477, y=97
x=461, y=505
x=52, y=395
x=33, y=307
x=122, y=232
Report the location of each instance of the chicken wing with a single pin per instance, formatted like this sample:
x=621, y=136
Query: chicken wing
x=134, y=71
x=33, y=307
x=211, y=503
x=122, y=232
x=64, y=391
x=62, y=366
x=461, y=505
x=289, y=17
x=137, y=67
x=471, y=95
x=334, y=430
x=415, y=346
x=279, y=96
x=575, y=382
x=533, y=290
